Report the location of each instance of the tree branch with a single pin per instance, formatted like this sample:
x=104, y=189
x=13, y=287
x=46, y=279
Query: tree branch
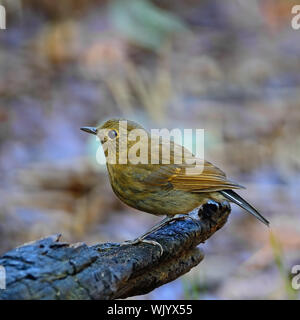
x=50, y=269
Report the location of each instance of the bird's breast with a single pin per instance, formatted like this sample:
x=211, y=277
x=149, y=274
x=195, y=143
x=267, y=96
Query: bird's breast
x=129, y=188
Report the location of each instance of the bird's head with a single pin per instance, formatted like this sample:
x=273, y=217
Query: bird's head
x=111, y=129
x=116, y=131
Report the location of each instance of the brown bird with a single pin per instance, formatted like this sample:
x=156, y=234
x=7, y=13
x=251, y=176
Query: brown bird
x=164, y=188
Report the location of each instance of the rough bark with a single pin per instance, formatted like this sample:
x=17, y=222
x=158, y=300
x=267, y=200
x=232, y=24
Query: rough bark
x=50, y=269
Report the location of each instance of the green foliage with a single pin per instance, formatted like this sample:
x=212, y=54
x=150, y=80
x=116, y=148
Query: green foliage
x=143, y=23
x=279, y=260
x=194, y=287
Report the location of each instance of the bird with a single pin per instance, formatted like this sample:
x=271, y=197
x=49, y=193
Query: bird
x=163, y=188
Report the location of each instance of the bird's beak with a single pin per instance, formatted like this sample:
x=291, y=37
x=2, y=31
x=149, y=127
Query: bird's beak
x=91, y=130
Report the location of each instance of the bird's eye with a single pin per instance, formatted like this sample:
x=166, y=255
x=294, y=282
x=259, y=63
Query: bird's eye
x=112, y=134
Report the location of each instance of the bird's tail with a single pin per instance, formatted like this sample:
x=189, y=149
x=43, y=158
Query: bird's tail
x=234, y=197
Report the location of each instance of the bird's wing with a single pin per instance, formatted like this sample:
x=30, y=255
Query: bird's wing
x=175, y=176
x=186, y=177
x=211, y=179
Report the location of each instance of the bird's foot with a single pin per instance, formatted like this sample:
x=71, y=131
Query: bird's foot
x=213, y=209
x=183, y=217
x=140, y=240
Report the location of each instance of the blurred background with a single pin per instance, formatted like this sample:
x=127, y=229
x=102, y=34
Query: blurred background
x=230, y=67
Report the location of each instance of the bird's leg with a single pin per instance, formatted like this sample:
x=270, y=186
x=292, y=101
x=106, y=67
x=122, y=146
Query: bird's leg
x=156, y=227
x=165, y=222
x=140, y=240
x=153, y=229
